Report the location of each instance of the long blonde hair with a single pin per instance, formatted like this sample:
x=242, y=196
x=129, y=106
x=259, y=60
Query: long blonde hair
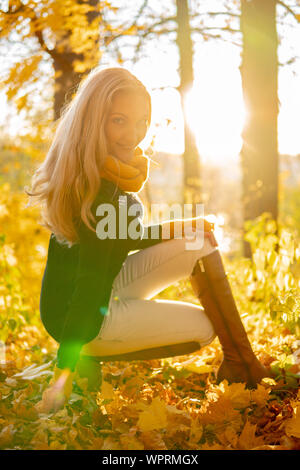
x=68, y=180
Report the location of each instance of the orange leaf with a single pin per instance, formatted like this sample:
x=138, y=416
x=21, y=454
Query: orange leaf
x=247, y=439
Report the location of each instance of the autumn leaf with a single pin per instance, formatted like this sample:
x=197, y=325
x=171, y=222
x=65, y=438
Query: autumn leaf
x=228, y=437
x=196, y=431
x=107, y=391
x=221, y=413
x=260, y=395
x=199, y=368
x=130, y=442
x=292, y=427
x=237, y=393
x=247, y=439
x=153, y=440
x=6, y=435
x=154, y=416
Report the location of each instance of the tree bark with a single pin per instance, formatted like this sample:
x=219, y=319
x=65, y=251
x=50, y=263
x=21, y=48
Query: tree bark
x=259, y=73
x=66, y=78
x=191, y=161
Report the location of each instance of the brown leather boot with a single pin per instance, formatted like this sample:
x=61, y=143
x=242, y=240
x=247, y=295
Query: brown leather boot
x=211, y=286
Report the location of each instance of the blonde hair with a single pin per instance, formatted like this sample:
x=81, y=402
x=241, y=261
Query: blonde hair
x=68, y=180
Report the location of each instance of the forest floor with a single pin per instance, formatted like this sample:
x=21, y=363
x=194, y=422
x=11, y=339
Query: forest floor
x=166, y=404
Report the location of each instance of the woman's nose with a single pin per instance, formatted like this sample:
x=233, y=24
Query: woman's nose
x=133, y=136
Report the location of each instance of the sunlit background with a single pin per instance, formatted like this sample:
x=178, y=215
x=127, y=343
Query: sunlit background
x=215, y=108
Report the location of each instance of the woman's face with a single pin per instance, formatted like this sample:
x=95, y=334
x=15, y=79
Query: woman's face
x=126, y=124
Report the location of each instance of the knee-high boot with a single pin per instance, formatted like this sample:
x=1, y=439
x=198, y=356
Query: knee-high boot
x=211, y=286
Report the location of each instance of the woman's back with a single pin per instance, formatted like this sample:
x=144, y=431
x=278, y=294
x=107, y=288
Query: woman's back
x=77, y=281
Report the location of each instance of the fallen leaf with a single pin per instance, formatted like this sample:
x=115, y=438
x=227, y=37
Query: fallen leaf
x=107, y=391
x=154, y=416
x=247, y=439
x=292, y=427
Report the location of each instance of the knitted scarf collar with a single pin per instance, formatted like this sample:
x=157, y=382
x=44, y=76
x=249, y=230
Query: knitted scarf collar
x=129, y=176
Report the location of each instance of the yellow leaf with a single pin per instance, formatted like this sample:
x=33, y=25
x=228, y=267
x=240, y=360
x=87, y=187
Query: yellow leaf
x=238, y=395
x=229, y=436
x=199, y=368
x=154, y=417
x=107, y=391
x=221, y=413
x=56, y=445
x=292, y=427
x=196, y=431
x=153, y=440
x=6, y=435
x=131, y=443
x=247, y=439
x=260, y=395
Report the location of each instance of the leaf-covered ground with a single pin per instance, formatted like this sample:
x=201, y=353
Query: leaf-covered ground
x=168, y=404
x=159, y=404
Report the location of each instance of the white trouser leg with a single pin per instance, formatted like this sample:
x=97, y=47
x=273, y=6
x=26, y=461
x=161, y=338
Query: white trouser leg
x=134, y=321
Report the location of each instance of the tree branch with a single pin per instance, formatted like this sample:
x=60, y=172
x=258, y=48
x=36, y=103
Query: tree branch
x=288, y=8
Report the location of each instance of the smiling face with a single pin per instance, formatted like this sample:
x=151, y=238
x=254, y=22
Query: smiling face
x=127, y=123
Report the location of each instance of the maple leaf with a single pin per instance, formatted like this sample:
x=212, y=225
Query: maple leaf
x=260, y=395
x=154, y=416
x=292, y=427
x=221, y=413
x=247, y=439
x=228, y=437
x=237, y=393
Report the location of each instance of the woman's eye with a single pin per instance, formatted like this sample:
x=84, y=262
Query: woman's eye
x=118, y=120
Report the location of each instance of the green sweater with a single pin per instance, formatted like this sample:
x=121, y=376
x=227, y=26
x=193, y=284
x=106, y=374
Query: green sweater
x=77, y=281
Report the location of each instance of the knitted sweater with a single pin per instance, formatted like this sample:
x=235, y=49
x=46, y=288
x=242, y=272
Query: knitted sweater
x=77, y=281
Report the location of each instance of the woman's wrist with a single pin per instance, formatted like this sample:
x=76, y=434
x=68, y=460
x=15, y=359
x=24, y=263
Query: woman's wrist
x=176, y=228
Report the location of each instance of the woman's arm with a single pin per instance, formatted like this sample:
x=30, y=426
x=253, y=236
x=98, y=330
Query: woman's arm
x=167, y=230
x=171, y=228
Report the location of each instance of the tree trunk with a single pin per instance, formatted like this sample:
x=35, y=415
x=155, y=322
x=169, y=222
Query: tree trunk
x=191, y=160
x=66, y=78
x=259, y=71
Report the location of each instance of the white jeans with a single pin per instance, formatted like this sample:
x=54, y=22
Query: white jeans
x=134, y=321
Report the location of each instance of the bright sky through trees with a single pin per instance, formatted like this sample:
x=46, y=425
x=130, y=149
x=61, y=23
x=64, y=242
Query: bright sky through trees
x=216, y=109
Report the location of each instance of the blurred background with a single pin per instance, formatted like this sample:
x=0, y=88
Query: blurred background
x=224, y=77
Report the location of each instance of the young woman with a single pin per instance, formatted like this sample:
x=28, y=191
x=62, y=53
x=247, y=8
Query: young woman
x=96, y=296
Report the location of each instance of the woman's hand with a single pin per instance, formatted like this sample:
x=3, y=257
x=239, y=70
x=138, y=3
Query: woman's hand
x=59, y=390
x=211, y=237
x=172, y=227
